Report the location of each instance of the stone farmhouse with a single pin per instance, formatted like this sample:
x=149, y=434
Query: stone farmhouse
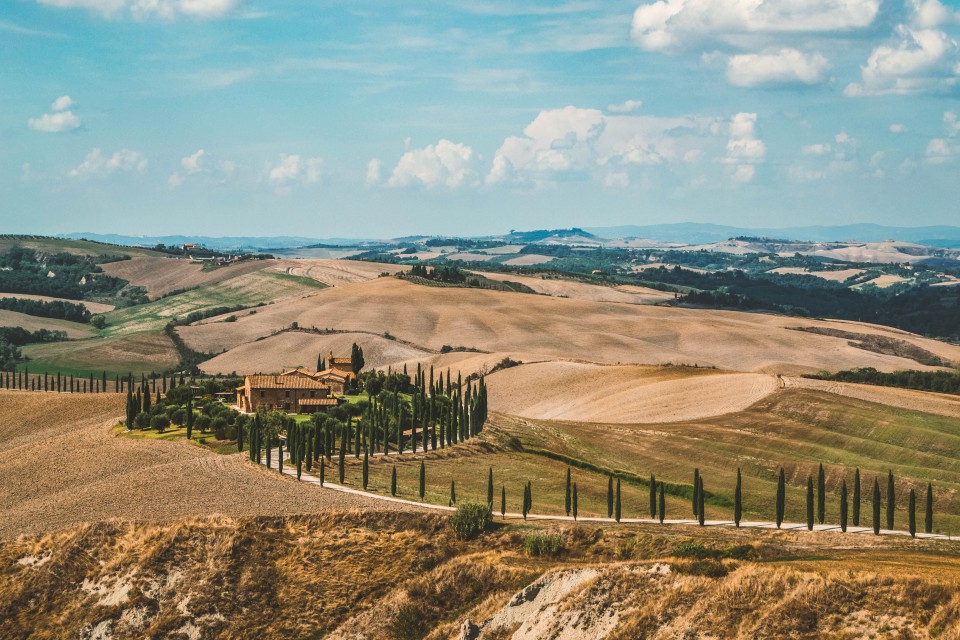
x=296, y=390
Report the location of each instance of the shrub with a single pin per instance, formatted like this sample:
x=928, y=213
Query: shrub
x=159, y=423
x=98, y=321
x=142, y=421
x=471, y=519
x=230, y=319
x=409, y=623
x=542, y=544
x=707, y=568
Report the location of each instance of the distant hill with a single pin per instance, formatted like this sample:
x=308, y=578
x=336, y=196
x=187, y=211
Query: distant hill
x=703, y=233
x=231, y=243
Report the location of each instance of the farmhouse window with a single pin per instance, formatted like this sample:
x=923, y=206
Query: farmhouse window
x=262, y=393
x=288, y=393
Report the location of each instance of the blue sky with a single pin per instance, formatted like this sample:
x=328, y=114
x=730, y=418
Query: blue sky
x=377, y=119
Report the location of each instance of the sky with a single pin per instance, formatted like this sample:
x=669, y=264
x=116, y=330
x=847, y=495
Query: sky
x=380, y=119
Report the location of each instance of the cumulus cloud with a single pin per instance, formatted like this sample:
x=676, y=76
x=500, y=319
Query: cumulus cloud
x=192, y=163
x=445, y=164
x=818, y=149
x=145, y=9
x=921, y=58
x=673, y=25
x=98, y=165
x=293, y=168
x=940, y=151
x=625, y=107
x=59, y=120
x=896, y=127
x=951, y=123
x=786, y=66
x=374, y=169
x=574, y=142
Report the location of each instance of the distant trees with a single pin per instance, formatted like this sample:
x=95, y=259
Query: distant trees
x=356, y=358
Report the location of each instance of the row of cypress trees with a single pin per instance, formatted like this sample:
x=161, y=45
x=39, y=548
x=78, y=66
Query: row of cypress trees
x=59, y=382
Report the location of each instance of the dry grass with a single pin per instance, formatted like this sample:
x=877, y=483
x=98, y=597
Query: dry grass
x=160, y=276
x=560, y=288
x=92, y=307
x=74, y=330
x=136, y=353
x=936, y=403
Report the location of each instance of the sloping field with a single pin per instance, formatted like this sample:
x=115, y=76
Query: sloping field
x=294, y=349
x=70, y=469
x=617, y=394
x=528, y=259
x=74, y=330
x=160, y=276
x=248, y=290
x=92, y=307
x=76, y=247
x=335, y=273
x=883, y=282
x=629, y=294
x=134, y=353
x=936, y=403
x=557, y=328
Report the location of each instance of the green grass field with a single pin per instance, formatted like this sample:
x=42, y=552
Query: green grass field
x=135, y=353
x=173, y=433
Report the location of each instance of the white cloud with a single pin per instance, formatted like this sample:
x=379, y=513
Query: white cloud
x=294, y=168
x=175, y=180
x=192, y=163
x=625, y=107
x=672, y=25
x=445, y=164
x=62, y=103
x=940, y=151
x=60, y=120
x=951, y=123
x=922, y=61
x=144, y=9
x=374, y=170
x=744, y=173
x=744, y=148
x=843, y=138
x=896, y=127
x=816, y=149
x=99, y=166
x=618, y=180
x=786, y=66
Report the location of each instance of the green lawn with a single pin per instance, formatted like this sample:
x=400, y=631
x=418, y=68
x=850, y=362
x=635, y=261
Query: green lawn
x=173, y=432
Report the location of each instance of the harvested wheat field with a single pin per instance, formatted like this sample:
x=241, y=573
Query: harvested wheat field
x=160, y=276
x=136, y=353
x=623, y=394
x=70, y=469
x=74, y=330
x=338, y=272
x=629, y=294
x=559, y=328
x=528, y=259
x=834, y=276
x=936, y=403
x=293, y=349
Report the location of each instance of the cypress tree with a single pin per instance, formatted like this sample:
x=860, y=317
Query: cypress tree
x=189, y=415
x=856, y=497
x=323, y=467
x=269, y=449
x=529, y=496
x=280, y=456
x=891, y=500
x=299, y=466
x=912, y=515
x=366, y=469
x=525, y=501
x=503, y=491
x=240, y=444
x=928, y=516
x=343, y=454
x=821, y=496
x=876, y=507
x=653, y=496
x=490, y=489
x=423, y=482
x=781, y=497
x=568, y=496
x=393, y=481
x=843, y=506
x=616, y=508
x=696, y=489
x=662, y=511
x=809, y=503
x=609, y=496
x=453, y=492
x=738, y=500
x=700, y=510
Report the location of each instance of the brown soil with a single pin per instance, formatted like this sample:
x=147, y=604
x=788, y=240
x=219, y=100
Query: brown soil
x=883, y=344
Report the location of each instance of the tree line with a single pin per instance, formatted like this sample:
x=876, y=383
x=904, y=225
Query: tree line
x=59, y=309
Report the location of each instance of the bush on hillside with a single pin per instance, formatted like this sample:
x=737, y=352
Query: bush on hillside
x=542, y=544
x=471, y=519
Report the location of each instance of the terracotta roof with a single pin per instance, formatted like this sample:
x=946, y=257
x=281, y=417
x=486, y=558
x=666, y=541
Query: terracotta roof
x=302, y=372
x=340, y=361
x=319, y=402
x=283, y=382
x=335, y=373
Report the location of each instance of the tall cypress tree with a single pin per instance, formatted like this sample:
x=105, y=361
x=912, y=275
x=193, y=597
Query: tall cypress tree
x=343, y=453
x=856, y=497
x=809, y=503
x=568, y=496
x=876, y=507
x=240, y=428
x=696, y=489
x=912, y=515
x=503, y=488
x=453, y=492
x=738, y=500
x=529, y=496
x=575, y=508
x=323, y=467
x=662, y=511
x=490, y=488
x=280, y=456
x=524, y=508
x=616, y=507
x=821, y=496
x=393, y=481
x=366, y=469
x=843, y=506
x=781, y=497
x=610, y=496
x=928, y=516
x=701, y=515
x=891, y=500
x=653, y=496
x=423, y=481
